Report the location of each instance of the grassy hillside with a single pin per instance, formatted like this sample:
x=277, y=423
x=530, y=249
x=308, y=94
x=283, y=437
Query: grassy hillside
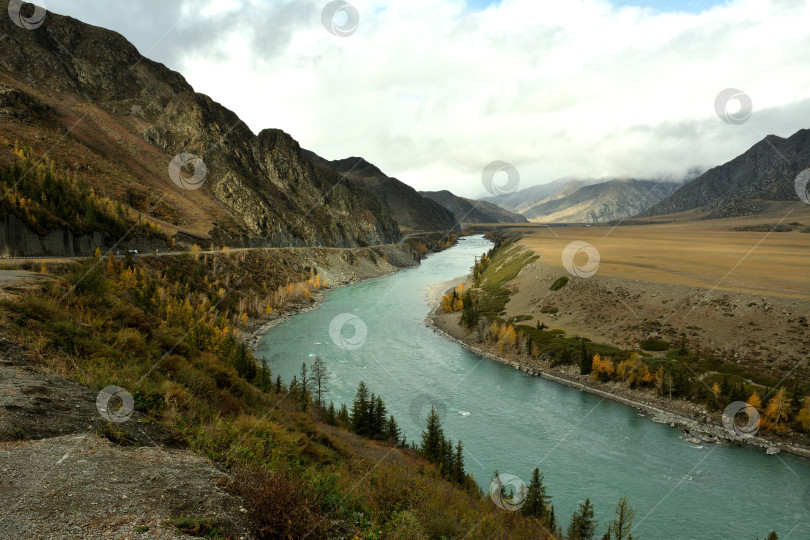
x=165, y=329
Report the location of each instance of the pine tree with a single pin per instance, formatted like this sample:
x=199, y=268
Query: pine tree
x=278, y=384
x=331, y=414
x=359, y=417
x=459, y=475
x=537, y=500
x=392, y=432
x=343, y=415
x=586, y=362
x=305, y=378
x=582, y=526
x=448, y=459
x=552, y=521
x=303, y=394
x=378, y=418
x=372, y=404
x=294, y=388
x=265, y=376
x=433, y=438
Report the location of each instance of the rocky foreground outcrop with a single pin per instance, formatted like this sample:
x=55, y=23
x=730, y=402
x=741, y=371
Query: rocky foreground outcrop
x=61, y=476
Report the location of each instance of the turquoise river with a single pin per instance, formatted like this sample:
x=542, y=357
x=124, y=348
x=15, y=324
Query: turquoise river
x=585, y=446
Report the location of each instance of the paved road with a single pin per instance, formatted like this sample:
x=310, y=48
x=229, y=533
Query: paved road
x=122, y=253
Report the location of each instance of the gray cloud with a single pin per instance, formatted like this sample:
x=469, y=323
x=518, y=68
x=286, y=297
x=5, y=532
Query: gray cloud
x=575, y=88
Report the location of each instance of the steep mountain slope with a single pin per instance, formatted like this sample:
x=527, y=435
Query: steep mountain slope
x=83, y=94
x=472, y=211
x=615, y=199
x=522, y=200
x=406, y=205
x=767, y=171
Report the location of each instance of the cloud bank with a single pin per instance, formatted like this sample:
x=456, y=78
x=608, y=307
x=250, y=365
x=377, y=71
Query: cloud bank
x=432, y=91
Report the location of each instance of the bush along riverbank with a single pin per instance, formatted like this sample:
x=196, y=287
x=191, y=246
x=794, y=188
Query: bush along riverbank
x=684, y=387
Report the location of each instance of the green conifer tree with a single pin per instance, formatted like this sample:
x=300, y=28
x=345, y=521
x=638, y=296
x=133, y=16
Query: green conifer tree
x=582, y=526
x=433, y=438
x=360, y=407
x=537, y=500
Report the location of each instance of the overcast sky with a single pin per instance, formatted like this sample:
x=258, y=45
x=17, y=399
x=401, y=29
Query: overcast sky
x=432, y=91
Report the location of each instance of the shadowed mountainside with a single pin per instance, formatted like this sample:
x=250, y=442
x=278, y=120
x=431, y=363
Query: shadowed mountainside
x=765, y=172
x=410, y=209
x=472, y=211
x=81, y=94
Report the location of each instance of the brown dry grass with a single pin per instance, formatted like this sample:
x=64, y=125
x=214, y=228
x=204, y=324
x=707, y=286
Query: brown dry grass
x=109, y=153
x=700, y=254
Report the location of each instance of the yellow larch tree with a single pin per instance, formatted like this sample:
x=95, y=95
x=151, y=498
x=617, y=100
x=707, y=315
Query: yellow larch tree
x=778, y=411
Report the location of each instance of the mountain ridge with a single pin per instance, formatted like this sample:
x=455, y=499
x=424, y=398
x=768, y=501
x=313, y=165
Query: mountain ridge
x=471, y=210
x=93, y=95
x=407, y=206
x=764, y=172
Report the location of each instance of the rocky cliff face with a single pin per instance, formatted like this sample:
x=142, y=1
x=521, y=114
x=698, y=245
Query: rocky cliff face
x=16, y=239
x=767, y=171
x=599, y=203
x=471, y=211
x=112, y=114
x=411, y=210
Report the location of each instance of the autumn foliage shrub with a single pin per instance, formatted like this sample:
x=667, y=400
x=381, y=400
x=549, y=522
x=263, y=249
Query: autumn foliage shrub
x=453, y=301
x=277, y=503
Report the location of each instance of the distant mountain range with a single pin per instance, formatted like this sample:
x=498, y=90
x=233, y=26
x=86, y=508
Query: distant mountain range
x=586, y=201
x=522, y=200
x=765, y=172
x=472, y=211
x=600, y=203
x=115, y=120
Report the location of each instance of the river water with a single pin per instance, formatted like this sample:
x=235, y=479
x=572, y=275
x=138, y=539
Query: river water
x=585, y=446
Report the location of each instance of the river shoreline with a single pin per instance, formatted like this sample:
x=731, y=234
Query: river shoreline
x=337, y=270
x=699, y=425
